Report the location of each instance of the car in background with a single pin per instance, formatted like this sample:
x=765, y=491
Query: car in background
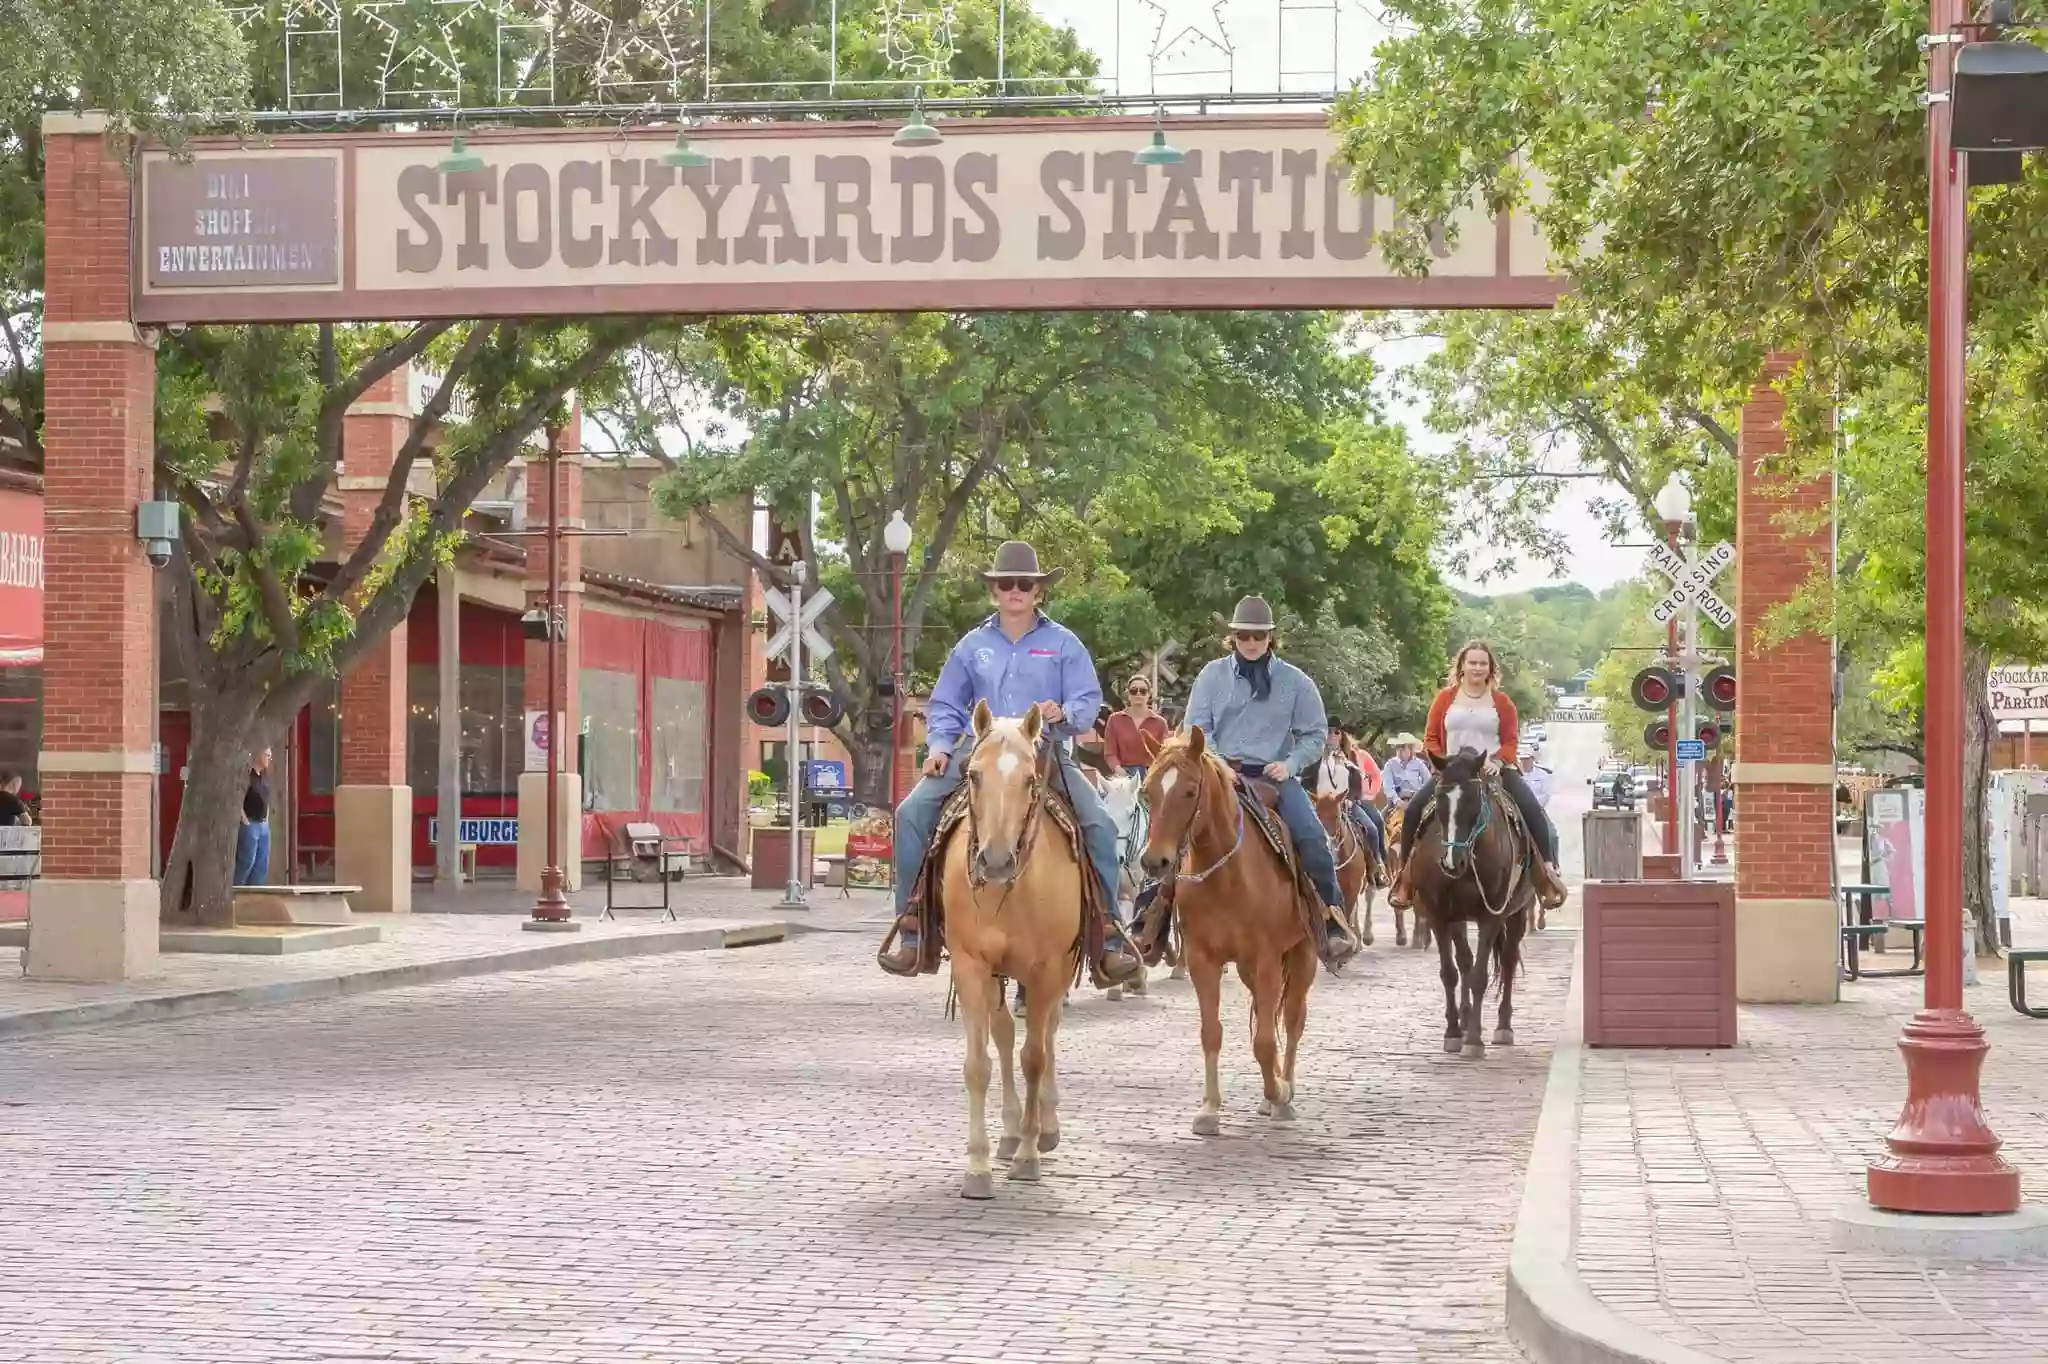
x=1613, y=790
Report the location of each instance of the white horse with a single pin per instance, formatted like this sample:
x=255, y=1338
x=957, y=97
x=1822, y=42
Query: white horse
x=1123, y=798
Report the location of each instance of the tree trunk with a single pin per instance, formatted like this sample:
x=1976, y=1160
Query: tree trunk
x=1979, y=730
x=867, y=749
x=198, y=879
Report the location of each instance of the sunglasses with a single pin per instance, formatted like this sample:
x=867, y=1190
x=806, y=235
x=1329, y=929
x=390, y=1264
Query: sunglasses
x=1139, y=691
x=1013, y=584
x=1253, y=636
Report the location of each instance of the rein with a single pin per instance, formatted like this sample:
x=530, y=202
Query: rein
x=1467, y=846
x=1027, y=841
x=1187, y=839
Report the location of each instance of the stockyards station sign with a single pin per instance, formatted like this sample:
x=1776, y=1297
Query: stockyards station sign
x=1016, y=213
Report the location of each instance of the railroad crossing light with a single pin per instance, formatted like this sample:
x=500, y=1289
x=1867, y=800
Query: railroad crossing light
x=1657, y=735
x=1708, y=733
x=1717, y=688
x=1654, y=688
x=769, y=707
x=822, y=708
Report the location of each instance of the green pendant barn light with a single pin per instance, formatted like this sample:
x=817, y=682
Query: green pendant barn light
x=683, y=156
x=460, y=158
x=1160, y=152
x=917, y=132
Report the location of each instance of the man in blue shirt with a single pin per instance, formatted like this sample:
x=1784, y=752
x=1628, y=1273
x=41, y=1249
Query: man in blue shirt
x=1016, y=660
x=1264, y=717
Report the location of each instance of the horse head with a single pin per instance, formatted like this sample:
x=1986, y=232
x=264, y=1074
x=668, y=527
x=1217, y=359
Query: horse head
x=1464, y=807
x=1173, y=796
x=1005, y=782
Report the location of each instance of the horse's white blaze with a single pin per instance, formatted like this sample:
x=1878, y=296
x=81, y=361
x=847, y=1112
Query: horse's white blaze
x=1451, y=813
x=1006, y=764
x=1166, y=782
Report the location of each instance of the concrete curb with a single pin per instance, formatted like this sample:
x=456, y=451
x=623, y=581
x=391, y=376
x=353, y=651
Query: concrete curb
x=563, y=952
x=1551, y=1312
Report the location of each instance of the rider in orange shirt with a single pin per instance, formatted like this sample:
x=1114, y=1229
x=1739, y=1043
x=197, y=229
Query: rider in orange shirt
x=1473, y=712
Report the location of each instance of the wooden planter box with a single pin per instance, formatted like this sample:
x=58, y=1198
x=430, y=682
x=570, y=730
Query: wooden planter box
x=771, y=859
x=1660, y=963
x=1661, y=866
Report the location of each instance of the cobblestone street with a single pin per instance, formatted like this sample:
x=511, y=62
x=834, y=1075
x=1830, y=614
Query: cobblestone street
x=754, y=1155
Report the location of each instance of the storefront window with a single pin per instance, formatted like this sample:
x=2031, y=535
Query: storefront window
x=678, y=744
x=611, y=751
x=21, y=720
x=493, y=750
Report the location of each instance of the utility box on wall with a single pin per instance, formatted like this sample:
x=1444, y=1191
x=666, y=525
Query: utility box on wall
x=1660, y=963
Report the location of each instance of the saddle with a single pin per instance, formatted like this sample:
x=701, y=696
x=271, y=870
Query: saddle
x=927, y=892
x=1260, y=801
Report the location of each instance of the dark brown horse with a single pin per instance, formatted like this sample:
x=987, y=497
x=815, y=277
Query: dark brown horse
x=1470, y=864
x=1236, y=902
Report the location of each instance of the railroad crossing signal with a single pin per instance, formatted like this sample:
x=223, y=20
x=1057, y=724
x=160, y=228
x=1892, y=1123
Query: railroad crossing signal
x=1159, y=663
x=815, y=644
x=1656, y=688
x=1717, y=688
x=1689, y=583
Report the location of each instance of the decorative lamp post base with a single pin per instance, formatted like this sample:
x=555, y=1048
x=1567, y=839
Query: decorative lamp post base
x=551, y=910
x=1942, y=1157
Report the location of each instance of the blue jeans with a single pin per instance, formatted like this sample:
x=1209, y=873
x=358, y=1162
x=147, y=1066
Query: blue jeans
x=1370, y=824
x=918, y=816
x=1311, y=840
x=252, y=853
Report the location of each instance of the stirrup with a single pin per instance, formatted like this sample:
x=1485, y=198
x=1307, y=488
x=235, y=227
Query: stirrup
x=903, y=936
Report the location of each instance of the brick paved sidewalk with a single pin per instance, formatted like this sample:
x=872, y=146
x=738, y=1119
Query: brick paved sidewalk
x=754, y=1157
x=479, y=925
x=1708, y=1180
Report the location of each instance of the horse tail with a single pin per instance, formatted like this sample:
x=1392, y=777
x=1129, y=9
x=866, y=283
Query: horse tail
x=1507, y=960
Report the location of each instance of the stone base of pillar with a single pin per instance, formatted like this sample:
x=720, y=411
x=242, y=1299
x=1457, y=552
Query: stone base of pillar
x=92, y=930
x=533, y=828
x=373, y=846
x=1787, y=951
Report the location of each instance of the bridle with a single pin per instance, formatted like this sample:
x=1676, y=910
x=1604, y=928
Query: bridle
x=1187, y=835
x=1027, y=840
x=1468, y=844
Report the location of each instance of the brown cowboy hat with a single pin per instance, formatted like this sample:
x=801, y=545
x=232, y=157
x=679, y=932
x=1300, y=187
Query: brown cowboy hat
x=1016, y=559
x=1253, y=613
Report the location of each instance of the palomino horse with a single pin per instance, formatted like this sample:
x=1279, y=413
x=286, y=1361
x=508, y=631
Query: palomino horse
x=1236, y=903
x=1354, y=861
x=1471, y=863
x=1012, y=897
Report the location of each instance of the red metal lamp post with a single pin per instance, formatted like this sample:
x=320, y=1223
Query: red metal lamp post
x=1942, y=1157
x=552, y=908
x=896, y=539
x=1674, y=505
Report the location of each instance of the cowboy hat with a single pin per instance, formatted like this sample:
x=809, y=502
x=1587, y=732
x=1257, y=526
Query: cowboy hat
x=1406, y=740
x=1252, y=614
x=1016, y=559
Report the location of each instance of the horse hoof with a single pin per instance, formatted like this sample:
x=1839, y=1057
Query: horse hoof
x=1265, y=1108
x=978, y=1187
x=1208, y=1125
x=1048, y=1141
x=1400, y=940
x=1282, y=1113
x=1137, y=988
x=1503, y=1037
x=1007, y=1148
x=1473, y=1051
x=1025, y=1171
x=1454, y=1044
x=1115, y=993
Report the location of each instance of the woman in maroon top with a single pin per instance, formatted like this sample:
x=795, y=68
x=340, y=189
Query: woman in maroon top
x=1135, y=732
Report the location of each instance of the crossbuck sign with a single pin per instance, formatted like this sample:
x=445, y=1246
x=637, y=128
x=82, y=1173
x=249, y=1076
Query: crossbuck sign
x=815, y=644
x=1689, y=583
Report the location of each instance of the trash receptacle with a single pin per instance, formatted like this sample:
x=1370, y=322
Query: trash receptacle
x=1614, y=845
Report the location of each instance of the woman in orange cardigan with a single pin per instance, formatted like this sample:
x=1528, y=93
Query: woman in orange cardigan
x=1473, y=712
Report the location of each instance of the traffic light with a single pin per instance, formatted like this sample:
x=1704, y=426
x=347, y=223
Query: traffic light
x=769, y=707
x=1655, y=688
x=1657, y=735
x=1717, y=688
x=821, y=707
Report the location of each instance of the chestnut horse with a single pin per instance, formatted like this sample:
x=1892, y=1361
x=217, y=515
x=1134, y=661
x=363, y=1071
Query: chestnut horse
x=1012, y=898
x=1354, y=862
x=1397, y=813
x=1235, y=900
x=1470, y=864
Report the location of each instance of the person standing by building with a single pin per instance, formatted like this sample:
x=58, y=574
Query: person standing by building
x=13, y=809
x=252, y=839
x=1136, y=731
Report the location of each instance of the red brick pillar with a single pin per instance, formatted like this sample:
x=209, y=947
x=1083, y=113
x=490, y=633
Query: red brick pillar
x=93, y=913
x=1786, y=939
x=373, y=803
x=565, y=725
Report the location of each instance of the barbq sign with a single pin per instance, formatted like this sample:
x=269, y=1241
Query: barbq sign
x=1015, y=213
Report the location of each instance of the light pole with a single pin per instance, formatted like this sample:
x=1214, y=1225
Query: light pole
x=896, y=539
x=552, y=908
x=1942, y=1157
x=1674, y=505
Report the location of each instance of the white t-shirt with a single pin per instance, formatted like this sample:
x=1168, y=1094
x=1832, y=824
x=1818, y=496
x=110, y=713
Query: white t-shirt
x=1335, y=776
x=1471, y=722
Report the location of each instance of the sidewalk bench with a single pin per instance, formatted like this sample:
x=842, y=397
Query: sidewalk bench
x=644, y=848
x=294, y=904
x=2016, y=981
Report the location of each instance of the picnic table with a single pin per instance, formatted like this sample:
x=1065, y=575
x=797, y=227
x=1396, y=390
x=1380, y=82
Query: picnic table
x=1859, y=932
